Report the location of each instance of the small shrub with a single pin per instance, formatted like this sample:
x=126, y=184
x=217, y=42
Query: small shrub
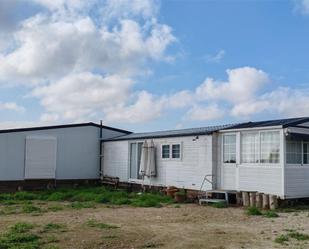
x=271, y=214
x=282, y=239
x=80, y=205
x=94, y=223
x=253, y=211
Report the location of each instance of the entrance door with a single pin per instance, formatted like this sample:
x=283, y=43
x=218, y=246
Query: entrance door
x=229, y=173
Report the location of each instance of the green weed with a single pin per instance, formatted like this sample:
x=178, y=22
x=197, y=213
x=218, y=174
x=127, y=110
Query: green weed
x=253, y=211
x=282, y=239
x=270, y=214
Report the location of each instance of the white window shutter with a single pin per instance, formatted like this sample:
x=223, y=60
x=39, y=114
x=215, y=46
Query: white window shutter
x=40, y=157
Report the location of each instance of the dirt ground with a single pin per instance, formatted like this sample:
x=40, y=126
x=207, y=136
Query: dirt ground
x=182, y=226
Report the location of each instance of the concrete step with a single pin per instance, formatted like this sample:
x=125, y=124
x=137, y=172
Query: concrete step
x=207, y=200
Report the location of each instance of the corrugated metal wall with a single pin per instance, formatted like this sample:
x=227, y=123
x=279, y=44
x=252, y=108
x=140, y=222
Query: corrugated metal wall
x=77, y=152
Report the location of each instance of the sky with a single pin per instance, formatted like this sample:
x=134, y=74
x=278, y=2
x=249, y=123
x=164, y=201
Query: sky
x=145, y=65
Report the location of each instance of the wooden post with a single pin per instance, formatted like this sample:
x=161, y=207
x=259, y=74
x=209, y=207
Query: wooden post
x=245, y=199
x=239, y=201
x=265, y=201
x=252, y=199
x=259, y=200
x=273, y=202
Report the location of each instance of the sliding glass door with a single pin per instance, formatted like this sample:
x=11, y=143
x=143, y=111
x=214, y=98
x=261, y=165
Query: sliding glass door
x=135, y=160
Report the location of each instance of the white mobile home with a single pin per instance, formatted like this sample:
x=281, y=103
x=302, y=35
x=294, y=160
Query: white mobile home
x=269, y=156
x=65, y=153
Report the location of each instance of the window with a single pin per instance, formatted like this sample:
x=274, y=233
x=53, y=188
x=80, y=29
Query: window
x=165, y=151
x=176, y=151
x=270, y=147
x=135, y=159
x=260, y=147
x=293, y=151
x=306, y=153
x=250, y=147
x=229, y=148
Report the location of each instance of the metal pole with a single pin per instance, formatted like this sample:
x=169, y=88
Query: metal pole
x=101, y=129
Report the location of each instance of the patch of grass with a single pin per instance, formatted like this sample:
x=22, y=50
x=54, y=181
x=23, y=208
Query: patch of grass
x=88, y=195
x=29, y=208
x=253, y=211
x=80, y=205
x=55, y=208
x=221, y=204
x=110, y=237
x=21, y=227
x=152, y=245
x=282, y=239
x=298, y=236
x=51, y=247
x=50, y=239
x=52, y=227
x=94, y=223
x=19, y=236
x=270, y=214
x=177, y=206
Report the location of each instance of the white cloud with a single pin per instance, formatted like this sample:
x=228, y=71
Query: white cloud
x=83, y=94
x=216, y=58
x=81, y=66
x=130, y=9
x=11, y=106
x=205, y=113
x=242, y=84
x=145, y=108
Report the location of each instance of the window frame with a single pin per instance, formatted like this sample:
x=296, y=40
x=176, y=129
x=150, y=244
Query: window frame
x=175, y=158
x=259, y=132
x=224, y=135
x=169, y=151
x=302, y=155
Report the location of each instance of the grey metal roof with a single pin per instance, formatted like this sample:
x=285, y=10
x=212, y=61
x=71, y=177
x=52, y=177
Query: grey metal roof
x=210, y=129
x=173, y=133
x=277, y=122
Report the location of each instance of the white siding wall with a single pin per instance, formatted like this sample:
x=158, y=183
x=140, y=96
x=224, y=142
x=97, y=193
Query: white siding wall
x=188, y=172
x=265, y=179
x=296, y=181
x=116, y=159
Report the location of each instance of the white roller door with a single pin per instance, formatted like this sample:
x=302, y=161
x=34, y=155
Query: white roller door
x=40, y=158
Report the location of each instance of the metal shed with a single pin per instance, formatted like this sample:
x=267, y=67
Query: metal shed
x=53, y=154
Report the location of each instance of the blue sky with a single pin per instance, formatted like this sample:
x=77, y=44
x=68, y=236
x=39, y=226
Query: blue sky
x=150, y=65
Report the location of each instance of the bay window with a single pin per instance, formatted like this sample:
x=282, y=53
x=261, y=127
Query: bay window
x=270, y=147
x=229, y=148
x=250, y=147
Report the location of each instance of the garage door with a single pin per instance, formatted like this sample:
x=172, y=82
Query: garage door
x=41, y=155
